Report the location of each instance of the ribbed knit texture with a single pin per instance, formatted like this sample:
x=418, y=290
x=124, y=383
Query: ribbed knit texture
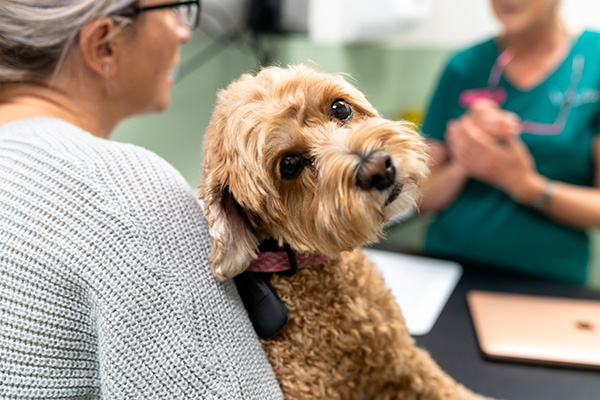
x=105, y=285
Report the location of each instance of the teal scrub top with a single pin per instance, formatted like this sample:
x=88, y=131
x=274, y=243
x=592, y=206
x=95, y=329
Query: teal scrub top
x=484, y=225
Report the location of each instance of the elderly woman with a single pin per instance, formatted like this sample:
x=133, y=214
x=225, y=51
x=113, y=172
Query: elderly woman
x=105, y=287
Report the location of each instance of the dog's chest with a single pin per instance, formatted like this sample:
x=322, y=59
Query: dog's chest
x=336, y=328
x=337, y=299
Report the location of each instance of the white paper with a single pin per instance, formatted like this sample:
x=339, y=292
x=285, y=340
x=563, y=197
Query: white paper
x=421, y=285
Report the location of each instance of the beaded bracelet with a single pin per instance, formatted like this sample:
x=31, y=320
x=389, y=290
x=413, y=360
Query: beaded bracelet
x=543, y=201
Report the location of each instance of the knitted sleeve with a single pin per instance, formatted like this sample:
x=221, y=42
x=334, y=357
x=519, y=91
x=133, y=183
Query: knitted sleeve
x=105, y=286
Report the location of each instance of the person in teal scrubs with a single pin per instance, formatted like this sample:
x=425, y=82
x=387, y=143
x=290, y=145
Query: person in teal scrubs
x=512, y=125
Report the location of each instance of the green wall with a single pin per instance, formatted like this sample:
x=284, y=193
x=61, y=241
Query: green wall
x=396, y=80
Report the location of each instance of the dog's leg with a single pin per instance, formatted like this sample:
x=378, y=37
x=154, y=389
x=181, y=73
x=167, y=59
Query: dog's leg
x=404, y=370
x=418, y=378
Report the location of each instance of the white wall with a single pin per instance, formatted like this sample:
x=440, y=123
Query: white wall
x=452, y=23
x=426, y=23
x=585, y=13
x=448, y=23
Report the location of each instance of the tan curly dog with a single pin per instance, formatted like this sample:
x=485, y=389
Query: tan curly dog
x=301, y=157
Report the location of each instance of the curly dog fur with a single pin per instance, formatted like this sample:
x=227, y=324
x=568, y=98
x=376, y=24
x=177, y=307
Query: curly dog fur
x=300, y=156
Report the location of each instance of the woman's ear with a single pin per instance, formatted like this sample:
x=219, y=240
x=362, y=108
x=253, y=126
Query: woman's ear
x=99, y=45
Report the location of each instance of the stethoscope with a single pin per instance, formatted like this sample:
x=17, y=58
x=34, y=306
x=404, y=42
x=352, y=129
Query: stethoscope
x=494, y=92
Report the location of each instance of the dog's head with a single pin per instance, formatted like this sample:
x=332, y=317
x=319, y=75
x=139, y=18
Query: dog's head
x=301, y=156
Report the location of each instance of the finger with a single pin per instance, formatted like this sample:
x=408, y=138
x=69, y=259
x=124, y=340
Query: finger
x=451, y=124
x=481, y=109
x=515, y=143
x=464, y=159
x=508, y=124
x=452, y=131
x=451, y=138
x=496, y=122
x=464, y=145
x=475, y=134
x=482, y=105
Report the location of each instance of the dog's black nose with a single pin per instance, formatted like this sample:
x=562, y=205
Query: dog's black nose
x=376, y=171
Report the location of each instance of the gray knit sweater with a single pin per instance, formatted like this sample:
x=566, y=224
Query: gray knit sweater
x=105, y=286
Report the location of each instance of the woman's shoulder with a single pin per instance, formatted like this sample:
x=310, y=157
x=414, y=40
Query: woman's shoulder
x=473, y=58
x=116, y=173
x=56, y=141
x=589, y=42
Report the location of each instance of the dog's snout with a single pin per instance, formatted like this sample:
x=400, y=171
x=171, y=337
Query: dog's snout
x=376, y=172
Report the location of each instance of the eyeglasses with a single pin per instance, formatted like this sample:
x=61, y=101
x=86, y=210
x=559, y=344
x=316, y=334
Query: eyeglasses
x=187, y=12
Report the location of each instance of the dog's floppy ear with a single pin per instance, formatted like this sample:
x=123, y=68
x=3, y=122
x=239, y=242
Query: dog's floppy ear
x=234, y=245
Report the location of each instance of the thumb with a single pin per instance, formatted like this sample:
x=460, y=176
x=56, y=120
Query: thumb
x=483, y=104
x=514, y=142
x=508, y=125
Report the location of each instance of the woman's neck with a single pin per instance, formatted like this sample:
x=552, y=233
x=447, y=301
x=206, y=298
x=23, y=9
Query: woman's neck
x=546, y=37
x=24, y=101
x=536, y=52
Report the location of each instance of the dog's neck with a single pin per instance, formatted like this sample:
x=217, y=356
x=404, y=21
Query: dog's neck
x=272, y=258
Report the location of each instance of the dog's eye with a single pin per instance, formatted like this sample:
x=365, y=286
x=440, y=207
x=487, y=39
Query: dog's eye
x=341, y=110
x=291, y=166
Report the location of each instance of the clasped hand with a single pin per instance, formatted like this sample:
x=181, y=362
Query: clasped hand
x=486, y=145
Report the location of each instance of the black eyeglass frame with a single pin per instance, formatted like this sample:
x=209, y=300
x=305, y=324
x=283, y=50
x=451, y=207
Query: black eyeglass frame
x=133, y=10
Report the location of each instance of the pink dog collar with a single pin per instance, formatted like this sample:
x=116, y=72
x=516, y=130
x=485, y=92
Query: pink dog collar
x=278, y=261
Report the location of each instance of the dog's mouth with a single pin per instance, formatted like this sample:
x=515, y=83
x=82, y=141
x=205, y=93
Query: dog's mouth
x=394, y=195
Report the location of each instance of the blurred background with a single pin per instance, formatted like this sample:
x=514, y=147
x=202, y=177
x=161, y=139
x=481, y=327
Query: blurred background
x=393, y=51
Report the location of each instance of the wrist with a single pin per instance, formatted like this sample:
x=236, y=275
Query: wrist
x=545, y=198
x=457, y=171
x=531, y=191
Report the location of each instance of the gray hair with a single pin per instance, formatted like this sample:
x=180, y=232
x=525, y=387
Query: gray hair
x=35, y=35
